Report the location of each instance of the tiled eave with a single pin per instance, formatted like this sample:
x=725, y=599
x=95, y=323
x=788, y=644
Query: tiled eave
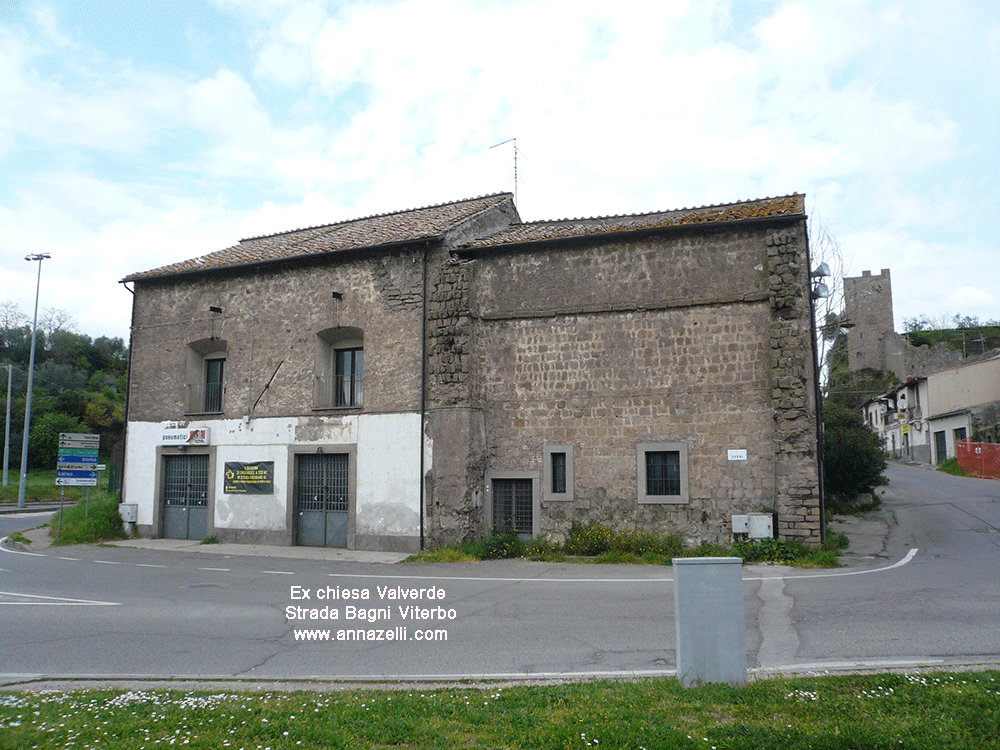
x=368, y=234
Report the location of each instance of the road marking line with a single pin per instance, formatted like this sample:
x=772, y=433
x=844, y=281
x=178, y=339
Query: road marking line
x=17, y=551
x=278, y=572
x=70, y=558
x=909, y=556
x=220, y=570
x=56, y=601
x=107, y=562
x=148, y=565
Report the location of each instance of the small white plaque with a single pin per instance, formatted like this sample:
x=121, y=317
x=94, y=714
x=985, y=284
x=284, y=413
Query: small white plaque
x=738, y=455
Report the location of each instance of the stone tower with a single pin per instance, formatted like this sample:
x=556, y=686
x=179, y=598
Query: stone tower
x=868, y=304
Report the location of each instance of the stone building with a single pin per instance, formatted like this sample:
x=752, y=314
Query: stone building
x=872, y=342
x=426, y=376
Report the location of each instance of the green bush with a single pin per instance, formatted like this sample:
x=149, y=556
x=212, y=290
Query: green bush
x=764, y=550
x=950, y=466
x=503, y=545
x=853, y=459
x=590, y=540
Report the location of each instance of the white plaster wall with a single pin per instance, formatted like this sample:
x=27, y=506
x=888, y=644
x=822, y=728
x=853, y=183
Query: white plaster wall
x=388, y=467
x=388, y=500
x=949, y=425
x=964, y=387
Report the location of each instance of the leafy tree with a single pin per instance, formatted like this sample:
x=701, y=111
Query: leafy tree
x=43, y=446
x=11, y=315
x=852, y=389
x=853, y=459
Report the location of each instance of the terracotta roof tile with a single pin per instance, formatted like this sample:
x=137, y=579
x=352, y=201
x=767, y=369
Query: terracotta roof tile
x=371, y=231
x=544, y=231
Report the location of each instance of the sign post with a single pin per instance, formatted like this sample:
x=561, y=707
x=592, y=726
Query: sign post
x=76, y=465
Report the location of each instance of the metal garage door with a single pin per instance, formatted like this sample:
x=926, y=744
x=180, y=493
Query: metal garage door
x=185, y=497
x=322, y=495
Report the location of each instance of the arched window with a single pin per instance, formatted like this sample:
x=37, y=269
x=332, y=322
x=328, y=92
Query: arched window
x=340, y=367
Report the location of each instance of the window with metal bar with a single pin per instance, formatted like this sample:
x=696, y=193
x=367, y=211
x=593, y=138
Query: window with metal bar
x=512, y=505
x=558, y=472
x=663, y=473
x=348, y=376
x=215, y=371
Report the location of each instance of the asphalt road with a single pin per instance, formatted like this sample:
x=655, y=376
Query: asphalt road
x=118, y=611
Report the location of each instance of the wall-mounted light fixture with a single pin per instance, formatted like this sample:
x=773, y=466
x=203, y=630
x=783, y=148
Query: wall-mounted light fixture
x=823, y=269
x=820, y=290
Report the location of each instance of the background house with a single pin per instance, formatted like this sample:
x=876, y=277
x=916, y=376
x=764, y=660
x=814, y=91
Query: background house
x=922, y=419
x=426, y=376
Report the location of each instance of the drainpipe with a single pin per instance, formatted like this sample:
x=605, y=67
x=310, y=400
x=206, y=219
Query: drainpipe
x=128, y=394
x=423, y=394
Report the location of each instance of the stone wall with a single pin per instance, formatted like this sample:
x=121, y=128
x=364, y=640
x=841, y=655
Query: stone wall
x=700, y=337
x=793, y=383
x=271, y=318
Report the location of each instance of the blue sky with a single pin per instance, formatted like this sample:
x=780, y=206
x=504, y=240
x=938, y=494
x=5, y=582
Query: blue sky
x=134, y=134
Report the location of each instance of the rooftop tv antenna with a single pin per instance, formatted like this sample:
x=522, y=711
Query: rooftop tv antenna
x=516, y=152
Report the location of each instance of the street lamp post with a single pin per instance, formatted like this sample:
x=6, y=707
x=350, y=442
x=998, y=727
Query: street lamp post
x=6, y=439
x=31, y=379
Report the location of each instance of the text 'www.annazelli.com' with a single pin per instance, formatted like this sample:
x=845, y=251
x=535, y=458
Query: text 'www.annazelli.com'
x=401, y=633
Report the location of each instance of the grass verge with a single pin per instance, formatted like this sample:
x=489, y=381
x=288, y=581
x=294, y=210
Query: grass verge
x=40, y=486
x=595, y=543
x=101, y=524
x=950, y=466
x=863, y=711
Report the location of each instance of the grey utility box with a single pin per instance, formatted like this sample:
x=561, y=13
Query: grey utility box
x=708, y=610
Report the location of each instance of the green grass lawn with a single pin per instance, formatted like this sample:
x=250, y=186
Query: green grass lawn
x=930, y=711
x=40, y=487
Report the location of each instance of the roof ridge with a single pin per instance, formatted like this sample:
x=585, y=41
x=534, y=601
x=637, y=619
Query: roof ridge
x=376, y=216
x=667, y=211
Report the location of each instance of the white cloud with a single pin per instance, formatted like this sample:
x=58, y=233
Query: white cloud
x=363, y=107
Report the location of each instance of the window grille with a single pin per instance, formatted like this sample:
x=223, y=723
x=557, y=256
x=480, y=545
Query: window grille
x=663, y=473
x=512, y=505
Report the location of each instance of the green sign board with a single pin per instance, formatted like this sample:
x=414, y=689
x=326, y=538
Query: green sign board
x=249, y=478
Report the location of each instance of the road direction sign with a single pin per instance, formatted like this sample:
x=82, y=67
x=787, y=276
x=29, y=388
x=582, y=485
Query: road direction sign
x=76, y=464
x=78, y=455
x=66, y=466
x=67, y=438
x=74, y=482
